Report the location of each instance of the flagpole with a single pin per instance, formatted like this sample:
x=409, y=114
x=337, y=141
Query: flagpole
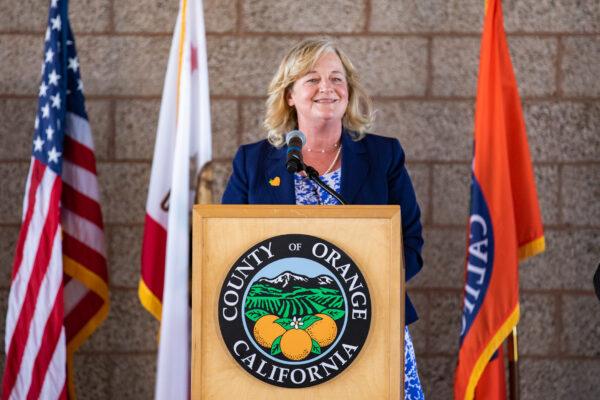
x=513, y=366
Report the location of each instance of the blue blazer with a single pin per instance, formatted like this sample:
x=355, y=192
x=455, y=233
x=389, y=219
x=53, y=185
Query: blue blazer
x=373, y=172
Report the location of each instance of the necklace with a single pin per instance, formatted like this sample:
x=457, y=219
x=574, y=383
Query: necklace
x=337, y=155
x=335, y=146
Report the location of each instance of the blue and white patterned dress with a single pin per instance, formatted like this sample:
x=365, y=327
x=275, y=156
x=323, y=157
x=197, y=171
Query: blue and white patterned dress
x=308, y=193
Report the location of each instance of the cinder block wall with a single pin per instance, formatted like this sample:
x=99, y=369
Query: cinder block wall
x=419, y=61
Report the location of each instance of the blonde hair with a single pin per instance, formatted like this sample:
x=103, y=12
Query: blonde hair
x=281, y=118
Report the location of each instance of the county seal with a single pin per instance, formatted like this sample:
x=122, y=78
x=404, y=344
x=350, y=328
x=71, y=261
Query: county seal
x=294, y=311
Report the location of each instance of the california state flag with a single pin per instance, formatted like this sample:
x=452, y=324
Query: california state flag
x=183, y=146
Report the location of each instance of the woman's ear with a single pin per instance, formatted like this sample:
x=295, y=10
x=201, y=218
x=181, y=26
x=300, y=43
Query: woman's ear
x=288, y=98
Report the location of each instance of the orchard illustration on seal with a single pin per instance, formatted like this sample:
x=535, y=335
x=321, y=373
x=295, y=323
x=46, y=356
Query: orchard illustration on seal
x=294, y=311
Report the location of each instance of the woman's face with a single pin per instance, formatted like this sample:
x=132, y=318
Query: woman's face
x=322, y=94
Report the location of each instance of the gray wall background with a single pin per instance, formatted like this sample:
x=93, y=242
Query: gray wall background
x=419, y=61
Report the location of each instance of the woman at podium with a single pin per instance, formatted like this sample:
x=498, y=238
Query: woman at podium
x=317, y=91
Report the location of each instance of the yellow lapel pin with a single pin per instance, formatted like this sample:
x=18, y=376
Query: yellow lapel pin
x=275, y=181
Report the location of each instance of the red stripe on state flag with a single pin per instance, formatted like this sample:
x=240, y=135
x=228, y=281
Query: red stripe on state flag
x=37, y=174
x=50, y=338
x=79, y=154
x=82, y=205
x=40, y=267
x=154, y=249
x=85, y=255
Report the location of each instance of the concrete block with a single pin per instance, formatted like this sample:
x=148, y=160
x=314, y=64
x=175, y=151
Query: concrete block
x=419, y=175
x=220, y=15
x=580, y=193
x=146, y=16
x=136, y=122
x=123, y=188
x=581, y=325
x=124, y=252
x=579, y=66
x=389, y=66
x=559, y=379
x=546, y=178
x=451, y=193
x=92, y=376
x=443, y=258
x=538, y=332
x=91, y=15
x=432, y=16
x=455, y=66
x=17, y=116
x=428, y=130
x=444, y=322
x=129, y=326
x=569, y=261
x=534, y=64
x=437, y=377
x=562, y=131
x=160, y=16
x=32, y=15
x=224, y=115
x=222, y=171
x=99, y=340
x=14, y=175
x=26, y=15
x=21, y=75
x=9, y=235
x=551, y=15
x=133, y=376
x=253, y=115
x=306, y=16
x=123, y=65
x=244, y=66
x=101, y=121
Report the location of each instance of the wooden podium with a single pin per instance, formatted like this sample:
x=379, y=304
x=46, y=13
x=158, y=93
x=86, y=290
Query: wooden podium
x=369, y=235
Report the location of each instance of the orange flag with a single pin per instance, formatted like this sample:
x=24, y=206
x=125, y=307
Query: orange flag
x=505, y=225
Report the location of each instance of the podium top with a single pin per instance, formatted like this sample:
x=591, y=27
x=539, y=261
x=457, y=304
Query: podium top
x=296, y=211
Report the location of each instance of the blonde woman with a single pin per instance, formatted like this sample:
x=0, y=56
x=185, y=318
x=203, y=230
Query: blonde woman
x=317, y=91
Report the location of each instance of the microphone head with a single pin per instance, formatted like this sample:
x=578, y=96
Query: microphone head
x=295, y=134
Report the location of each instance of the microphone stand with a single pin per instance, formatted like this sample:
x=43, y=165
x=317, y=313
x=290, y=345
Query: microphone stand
x=313, y=175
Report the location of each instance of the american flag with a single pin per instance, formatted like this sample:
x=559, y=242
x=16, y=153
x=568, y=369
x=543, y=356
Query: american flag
x=59, y=288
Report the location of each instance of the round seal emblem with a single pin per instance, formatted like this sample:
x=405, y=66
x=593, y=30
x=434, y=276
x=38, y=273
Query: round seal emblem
x=294, y=311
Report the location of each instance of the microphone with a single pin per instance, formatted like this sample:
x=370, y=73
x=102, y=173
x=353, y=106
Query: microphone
x=294, y=140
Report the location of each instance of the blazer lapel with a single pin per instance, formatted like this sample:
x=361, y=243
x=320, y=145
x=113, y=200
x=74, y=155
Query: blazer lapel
x=355, y=167
x=279, y=182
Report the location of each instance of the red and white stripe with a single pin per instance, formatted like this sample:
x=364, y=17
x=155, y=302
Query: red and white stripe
x=35, y=337
x=83, y=230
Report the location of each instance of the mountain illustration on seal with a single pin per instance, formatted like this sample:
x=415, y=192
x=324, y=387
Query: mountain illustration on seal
x=289, y=294
x=287, y=279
